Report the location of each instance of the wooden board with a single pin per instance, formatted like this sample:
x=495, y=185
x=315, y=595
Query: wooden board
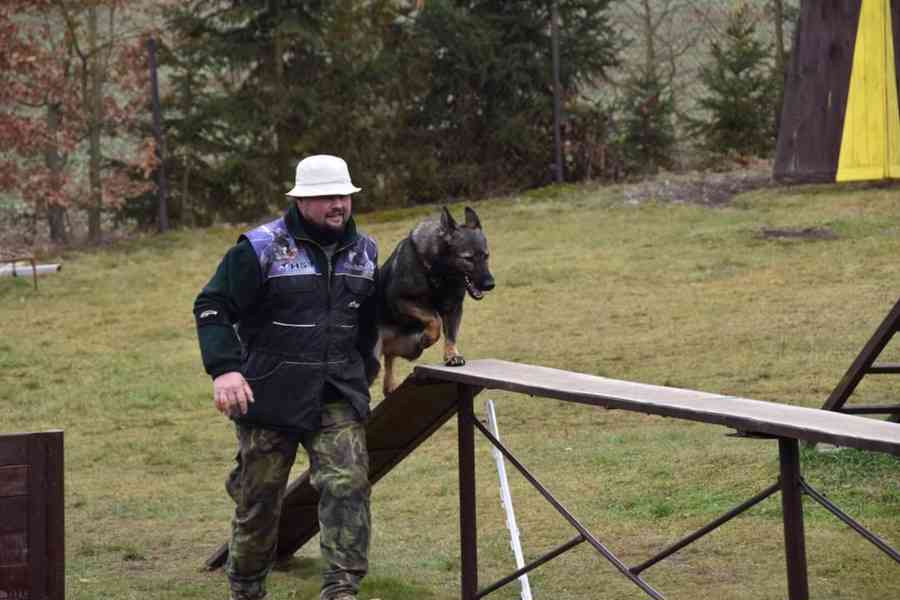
x=870, y=139
x=752, y=416
x=817, y=84
x=32, y=524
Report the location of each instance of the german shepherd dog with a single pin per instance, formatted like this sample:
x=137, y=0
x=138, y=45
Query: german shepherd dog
x=422, y=285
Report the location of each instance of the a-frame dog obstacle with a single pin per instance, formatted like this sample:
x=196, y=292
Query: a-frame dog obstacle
x=435, y=393
x=865, y=365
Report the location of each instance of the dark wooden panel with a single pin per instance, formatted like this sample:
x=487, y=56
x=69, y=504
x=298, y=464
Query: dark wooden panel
x=13, y=481
x=12, y=449
x=32, y=521
x=754, y=416
x=13, y=548
x=817, y=85
x=14, y=583
x=14, y=514
x=56, y=524
x=37, y=516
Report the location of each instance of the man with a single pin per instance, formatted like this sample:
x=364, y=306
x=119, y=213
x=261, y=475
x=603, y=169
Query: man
x=287, y=332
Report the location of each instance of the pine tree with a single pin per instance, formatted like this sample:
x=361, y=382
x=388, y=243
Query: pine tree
x=258, y=84
x=487, y=109
x=244, y=88
x=424, y=100
x=741, y=91
x=648, y=135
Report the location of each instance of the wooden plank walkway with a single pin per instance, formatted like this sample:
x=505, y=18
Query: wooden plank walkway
x=751, y=416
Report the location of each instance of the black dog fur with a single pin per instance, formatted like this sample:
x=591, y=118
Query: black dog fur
x=422, y=285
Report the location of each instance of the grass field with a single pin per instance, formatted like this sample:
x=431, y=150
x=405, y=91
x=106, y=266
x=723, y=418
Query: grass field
x=677, y=295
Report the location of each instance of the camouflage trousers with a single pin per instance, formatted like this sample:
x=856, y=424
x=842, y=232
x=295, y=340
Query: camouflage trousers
x=339, y=471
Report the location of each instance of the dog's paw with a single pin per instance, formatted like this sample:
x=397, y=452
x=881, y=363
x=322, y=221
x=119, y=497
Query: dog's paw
x=456, y=360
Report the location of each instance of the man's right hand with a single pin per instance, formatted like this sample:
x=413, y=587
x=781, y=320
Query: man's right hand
x=232, y=394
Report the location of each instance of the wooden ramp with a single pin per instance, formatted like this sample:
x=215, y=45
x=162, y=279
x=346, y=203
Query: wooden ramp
x=396, y=427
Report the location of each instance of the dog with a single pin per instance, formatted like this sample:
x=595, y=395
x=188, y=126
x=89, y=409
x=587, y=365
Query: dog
x=422, y=285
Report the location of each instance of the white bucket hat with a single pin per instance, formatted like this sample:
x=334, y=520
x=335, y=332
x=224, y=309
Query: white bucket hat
x=322, y=175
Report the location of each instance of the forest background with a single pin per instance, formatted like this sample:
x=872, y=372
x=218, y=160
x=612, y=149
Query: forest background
x=429, y=101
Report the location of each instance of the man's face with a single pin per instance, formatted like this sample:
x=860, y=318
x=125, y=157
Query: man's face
x=326, y=211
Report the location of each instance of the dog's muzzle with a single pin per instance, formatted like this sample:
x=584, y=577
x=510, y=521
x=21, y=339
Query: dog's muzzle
x=477, y=292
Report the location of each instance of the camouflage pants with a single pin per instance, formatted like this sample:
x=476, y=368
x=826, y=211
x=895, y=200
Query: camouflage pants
x=339, y=469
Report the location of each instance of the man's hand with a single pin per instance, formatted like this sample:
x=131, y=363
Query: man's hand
x=232, y=394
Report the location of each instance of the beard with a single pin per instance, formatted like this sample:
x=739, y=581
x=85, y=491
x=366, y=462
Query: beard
x=325, y=234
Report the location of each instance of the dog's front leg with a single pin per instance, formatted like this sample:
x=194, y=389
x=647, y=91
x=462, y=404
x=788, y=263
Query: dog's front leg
x=452, y=319
x=387, y=384
x=430, y=320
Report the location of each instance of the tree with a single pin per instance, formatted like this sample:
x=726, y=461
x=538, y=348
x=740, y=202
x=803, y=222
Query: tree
x=648, y=135
x=243, y=92
x=665, y=37
x=781, y=13
x=68, y=88
x=741, y=91
x=485, y=113
x=424, y=99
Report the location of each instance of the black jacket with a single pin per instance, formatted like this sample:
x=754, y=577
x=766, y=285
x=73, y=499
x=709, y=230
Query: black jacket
x=300, y=327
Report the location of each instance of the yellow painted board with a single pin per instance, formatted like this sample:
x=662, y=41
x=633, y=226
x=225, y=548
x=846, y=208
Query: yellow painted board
x=863, y=142
x=892, y=110
x=862, y=173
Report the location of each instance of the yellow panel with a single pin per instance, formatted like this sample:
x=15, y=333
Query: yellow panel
x=892, y=110
x=863, y=143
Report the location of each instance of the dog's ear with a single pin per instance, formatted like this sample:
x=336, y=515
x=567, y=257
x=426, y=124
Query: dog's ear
x=447, y=222
x=472, y=221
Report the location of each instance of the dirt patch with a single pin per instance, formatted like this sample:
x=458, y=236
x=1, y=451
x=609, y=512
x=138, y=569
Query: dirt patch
x=703, y=188
x=798, y=233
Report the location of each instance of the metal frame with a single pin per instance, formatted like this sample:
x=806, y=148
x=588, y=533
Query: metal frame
x=864, y=365
x=790, y=484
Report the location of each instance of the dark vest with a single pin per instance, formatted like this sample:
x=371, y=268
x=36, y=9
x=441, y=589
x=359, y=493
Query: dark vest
x=304, y=330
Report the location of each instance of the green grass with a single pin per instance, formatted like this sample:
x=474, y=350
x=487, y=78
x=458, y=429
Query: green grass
x=668, y=294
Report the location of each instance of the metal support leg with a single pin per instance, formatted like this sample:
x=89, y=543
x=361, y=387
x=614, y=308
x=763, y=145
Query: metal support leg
x=467, y=523
x=792, y=508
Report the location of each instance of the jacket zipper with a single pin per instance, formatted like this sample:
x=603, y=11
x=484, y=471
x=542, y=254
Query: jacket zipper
x=328, y=318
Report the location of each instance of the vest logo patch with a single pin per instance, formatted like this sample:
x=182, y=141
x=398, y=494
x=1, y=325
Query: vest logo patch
x=283, y=247
x=356, y=263
x=353, y=304
x=299, y=266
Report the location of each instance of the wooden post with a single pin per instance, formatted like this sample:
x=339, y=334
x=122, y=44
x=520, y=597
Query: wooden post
x=467, y=518
x=557, y=93
x=163, y=213
x=792, y=508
